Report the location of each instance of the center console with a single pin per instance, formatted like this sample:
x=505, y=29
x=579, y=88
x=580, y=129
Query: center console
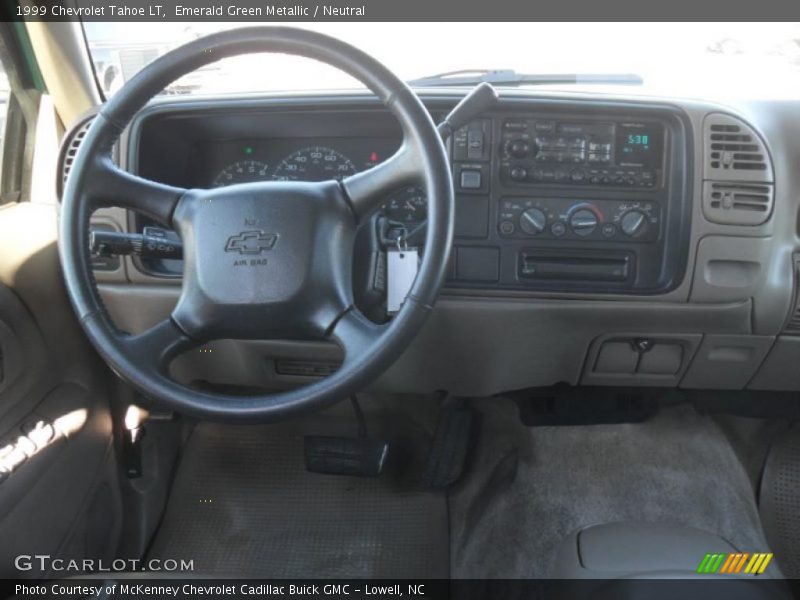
x=568, y=197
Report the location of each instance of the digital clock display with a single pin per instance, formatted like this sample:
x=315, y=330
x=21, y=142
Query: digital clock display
x=638, y=139
x=639, y=145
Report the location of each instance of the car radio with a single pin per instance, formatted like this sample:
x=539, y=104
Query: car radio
x=615, y=154
x=572, y=197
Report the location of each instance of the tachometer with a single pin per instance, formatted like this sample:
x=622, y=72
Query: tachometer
x=315, y=163
x=244, y=171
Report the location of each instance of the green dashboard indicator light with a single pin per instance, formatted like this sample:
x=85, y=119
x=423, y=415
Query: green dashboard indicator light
x=248, y=150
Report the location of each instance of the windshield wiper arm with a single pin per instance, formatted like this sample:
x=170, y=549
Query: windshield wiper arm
x=509, y=77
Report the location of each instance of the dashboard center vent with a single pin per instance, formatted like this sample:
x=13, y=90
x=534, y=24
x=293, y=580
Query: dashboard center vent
x=737, y=203
x=69, y=149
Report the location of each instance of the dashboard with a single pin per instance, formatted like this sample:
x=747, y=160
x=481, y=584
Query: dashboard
x=549, y=197
x=588, y=226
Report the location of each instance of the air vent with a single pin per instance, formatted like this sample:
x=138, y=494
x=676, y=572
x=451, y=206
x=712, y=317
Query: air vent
x=69, y=149
x=305, y=368
x=792, y=326
x=734, y=151
x=737, y=187
x=737, y=203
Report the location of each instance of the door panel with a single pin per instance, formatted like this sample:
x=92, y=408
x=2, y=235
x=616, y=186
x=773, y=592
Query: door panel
x=56, y=436
x=59, y=491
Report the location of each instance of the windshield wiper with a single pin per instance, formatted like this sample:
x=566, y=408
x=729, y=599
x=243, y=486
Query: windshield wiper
x=509, y=77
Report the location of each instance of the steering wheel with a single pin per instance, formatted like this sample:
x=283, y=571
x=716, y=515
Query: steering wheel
x=265, y=260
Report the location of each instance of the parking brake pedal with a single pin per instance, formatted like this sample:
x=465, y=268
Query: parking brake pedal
x=358, y=457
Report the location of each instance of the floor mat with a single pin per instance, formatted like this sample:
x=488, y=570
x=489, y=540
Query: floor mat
x=531, y=487
x=242, y=503
x=780, y=500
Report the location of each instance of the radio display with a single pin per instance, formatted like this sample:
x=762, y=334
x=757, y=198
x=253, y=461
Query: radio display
x=639, y=145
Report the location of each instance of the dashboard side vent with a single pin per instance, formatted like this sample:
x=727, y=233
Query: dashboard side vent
x=69, y=149
x=737, y=186
x=792, y=326
x=737, y=203
x=734, y=151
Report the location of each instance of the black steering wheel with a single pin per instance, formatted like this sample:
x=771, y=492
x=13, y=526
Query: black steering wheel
x=302, y=235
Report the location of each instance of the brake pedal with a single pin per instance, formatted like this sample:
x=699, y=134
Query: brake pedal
x=358, y=457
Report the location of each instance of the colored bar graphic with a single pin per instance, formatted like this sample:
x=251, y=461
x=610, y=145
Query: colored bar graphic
x=717, y=563
x=703, y=564
x=741, y=562
x=726, y=567
x=732, y=563
x=765, y=563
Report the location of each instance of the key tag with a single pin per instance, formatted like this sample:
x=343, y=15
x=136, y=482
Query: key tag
x=402, y=265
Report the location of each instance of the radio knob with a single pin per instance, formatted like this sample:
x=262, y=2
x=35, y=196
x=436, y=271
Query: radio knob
x=583, y=221
x=518, y=148
x=633, y=223
x=519, y=173
x=577, y=175
x=533, y=221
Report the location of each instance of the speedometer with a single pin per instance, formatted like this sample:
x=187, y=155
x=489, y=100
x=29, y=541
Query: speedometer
x=244, y=171
x=315, y=163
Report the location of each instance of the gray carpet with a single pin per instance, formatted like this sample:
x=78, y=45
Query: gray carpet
x=529, y=488
x=243, y=504
x=751, y=439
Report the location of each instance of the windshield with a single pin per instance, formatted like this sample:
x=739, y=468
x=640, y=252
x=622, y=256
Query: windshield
x=684, y=58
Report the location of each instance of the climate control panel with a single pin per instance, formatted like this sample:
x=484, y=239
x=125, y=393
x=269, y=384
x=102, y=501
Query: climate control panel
x=570, y=219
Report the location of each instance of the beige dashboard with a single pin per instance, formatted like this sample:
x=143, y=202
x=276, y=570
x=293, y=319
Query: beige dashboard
x=725, y=324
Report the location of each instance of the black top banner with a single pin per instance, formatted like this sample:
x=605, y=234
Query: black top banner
x=269, y=11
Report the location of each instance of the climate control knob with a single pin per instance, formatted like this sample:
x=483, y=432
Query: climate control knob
x=633, y=223
x=533, y=221
x=583, y=221
x=518, y=173
x=518, y=148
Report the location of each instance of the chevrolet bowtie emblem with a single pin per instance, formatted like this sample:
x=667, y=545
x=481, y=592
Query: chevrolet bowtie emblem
x=251, y=242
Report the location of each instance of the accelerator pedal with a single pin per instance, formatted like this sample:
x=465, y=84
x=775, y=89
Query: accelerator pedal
x=450, y=444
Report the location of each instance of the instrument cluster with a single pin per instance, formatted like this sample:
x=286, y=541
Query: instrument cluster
x=235, y=162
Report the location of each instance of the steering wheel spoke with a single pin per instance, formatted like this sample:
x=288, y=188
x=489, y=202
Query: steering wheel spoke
x=356, y=334
x=158, y=345
x=111, y=186
x=366, y=190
